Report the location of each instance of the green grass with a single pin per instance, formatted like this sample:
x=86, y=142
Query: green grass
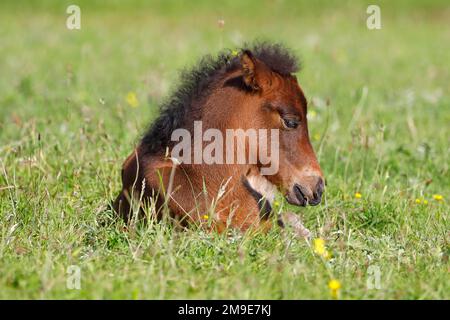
x=382, y=112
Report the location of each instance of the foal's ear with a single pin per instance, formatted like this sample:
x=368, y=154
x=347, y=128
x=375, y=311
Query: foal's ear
x=252, y=70
x=248, y=67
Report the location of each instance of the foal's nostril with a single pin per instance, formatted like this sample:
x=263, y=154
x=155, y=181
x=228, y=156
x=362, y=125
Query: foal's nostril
x=317, y=193
x=320, y=187
x=300, y=195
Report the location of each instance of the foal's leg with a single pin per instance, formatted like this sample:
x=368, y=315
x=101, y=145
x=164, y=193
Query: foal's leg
x=293, y=221
x=131, y=186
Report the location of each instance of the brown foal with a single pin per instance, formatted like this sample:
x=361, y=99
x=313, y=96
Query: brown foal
x=255, y=89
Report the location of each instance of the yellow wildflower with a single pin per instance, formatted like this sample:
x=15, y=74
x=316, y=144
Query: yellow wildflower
x=234, y=53
x=320, y=249
x=319, y=246
x=438, y=197
x=334, y=286
x=421, y=201
x=358, y=195
x=205, y=216
x=132, y=99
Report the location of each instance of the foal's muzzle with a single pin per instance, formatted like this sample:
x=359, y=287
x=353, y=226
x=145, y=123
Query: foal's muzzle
x=302, y=195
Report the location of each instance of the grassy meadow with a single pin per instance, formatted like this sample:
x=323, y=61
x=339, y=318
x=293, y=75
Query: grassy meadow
x=73, y=104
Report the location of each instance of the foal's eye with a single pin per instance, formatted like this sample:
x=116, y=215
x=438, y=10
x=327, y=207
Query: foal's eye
x=290, y=123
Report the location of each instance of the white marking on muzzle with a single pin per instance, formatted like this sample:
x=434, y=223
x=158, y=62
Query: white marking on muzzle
x=263, y=186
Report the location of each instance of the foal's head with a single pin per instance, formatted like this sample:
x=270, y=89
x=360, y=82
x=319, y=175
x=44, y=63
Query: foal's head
x=278, y=102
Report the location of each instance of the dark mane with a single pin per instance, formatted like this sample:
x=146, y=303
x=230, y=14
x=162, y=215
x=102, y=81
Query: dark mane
x=195, y=83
